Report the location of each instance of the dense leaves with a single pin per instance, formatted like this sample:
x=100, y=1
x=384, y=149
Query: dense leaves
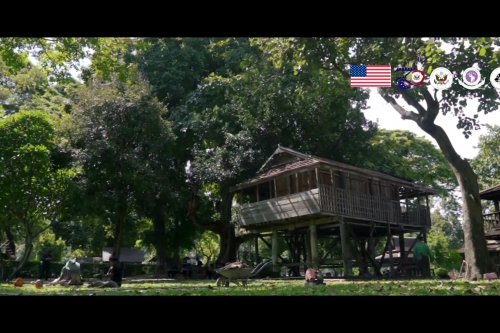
x=405, y=155
x=123, y=146
x=158, y=151
x=31, y=191
x=487, y=162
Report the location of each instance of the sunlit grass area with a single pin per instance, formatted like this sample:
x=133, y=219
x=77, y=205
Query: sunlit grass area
x=271, y=288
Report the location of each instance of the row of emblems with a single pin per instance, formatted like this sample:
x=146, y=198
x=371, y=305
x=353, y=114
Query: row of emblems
x=442, y=79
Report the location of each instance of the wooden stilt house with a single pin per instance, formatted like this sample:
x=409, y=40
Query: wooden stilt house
x=303, y=197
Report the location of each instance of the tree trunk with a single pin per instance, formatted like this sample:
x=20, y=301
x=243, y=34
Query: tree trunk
x=228, y=246
x=10, y=238
x=2, y=269
x=159, y=237
x=118, y=237
x=175, y=246
x=228, y=241
x=476, y=251
x=27, y=252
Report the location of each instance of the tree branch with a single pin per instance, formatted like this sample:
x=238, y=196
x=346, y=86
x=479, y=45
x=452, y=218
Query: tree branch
x=404, y=113
x=432, y=106
x=413, y=102
x=341, y=71
x=193, y=204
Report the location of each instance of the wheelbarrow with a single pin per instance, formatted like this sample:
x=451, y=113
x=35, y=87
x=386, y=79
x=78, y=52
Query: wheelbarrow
x=238, y=275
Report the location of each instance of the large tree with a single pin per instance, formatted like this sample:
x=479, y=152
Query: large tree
x=31, y=190
x=122, y=144
x=423, y=104
x=236, y=118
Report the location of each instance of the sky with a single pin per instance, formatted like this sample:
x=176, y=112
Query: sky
x=388, y=118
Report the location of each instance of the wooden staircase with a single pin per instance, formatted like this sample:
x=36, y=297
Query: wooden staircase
x=7, y=251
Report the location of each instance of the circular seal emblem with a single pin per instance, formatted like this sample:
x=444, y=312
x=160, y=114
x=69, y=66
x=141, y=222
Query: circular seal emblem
x=495, y=78
x=417, y=77
x=471, y=79
x=471, y=76
x=441, y=78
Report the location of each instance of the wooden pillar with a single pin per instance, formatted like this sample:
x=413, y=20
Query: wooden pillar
x=427, y=212
x=372, y=247
x=288, y=185
x=275, y=191
x=346, y=251
x=316, y=171
x=257, y=258
x=297, y=190
x=308, y=248
x=497, y=207
x=308, y=176
x=314, y=246
x=407, y=202
x=274, y=250
x=372, y=243
x=257, y=192
x=391, y=256
x=419, y=204
x=332, y=181
x=303, y=242
x=402, y=249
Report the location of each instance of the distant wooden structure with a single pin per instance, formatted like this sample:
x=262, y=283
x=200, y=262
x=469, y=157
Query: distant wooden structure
x=89, y=260
x=130, y=256
x=492, y=219
x=303, y=198
x=396, y=248
x=493, y=246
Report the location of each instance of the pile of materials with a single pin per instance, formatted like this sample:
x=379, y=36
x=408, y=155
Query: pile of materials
x=235, y=265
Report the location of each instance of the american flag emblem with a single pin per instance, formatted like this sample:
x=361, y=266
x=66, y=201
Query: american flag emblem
x=378, y=76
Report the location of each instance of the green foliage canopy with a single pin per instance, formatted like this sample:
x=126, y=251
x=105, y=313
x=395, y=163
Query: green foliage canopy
x=487, y=162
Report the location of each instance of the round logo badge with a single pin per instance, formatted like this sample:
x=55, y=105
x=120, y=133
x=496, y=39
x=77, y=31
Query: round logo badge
x=471, y=79
x=417, y=77
x=441, y=78
x=495, y=78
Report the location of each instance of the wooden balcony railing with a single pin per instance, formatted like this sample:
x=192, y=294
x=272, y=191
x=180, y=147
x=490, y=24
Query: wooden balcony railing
x=491, y=221
x=358, y=205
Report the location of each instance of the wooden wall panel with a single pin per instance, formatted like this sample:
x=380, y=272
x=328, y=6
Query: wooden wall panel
x=282, y=186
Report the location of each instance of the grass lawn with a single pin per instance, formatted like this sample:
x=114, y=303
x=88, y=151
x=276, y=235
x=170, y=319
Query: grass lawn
x=272, y=288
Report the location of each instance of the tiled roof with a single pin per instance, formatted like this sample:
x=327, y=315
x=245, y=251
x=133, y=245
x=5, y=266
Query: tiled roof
x=308, y=160
x=279, y=170
x=285, y=168
x=491, y=190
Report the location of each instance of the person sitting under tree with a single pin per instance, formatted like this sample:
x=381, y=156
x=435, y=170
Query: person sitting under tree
x=422, y=255
x=114, y=275
x=70, y=274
